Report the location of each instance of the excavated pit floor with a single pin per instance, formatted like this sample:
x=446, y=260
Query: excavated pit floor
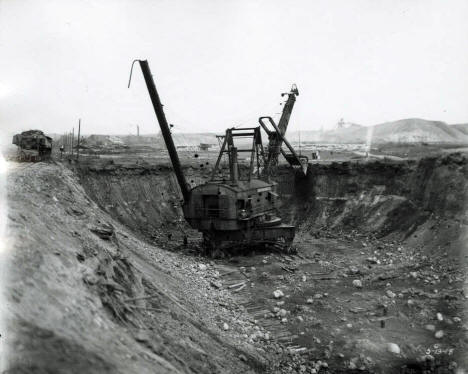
x=377, y=283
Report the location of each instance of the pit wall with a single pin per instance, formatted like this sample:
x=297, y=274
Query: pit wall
x=379, y=197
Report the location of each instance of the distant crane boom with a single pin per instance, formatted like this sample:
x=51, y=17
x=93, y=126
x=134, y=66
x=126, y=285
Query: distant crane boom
x=276, y=138
x=287, y=109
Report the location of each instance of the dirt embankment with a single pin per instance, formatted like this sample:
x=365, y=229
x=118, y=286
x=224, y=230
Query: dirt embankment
x=86, y=295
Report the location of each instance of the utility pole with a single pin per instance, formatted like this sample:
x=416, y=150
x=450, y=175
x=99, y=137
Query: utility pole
x=138, y=130
x=79, y=131
x=72, y=140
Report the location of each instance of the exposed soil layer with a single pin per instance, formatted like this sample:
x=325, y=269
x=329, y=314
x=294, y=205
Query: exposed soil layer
x=381, y=197
x=381, y=251
x=144, y=197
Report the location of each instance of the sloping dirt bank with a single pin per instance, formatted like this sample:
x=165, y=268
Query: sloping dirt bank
x=84, y=295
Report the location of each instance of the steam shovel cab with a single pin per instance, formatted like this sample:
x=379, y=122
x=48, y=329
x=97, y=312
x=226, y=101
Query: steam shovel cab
x=238, y=216
x=239, y=209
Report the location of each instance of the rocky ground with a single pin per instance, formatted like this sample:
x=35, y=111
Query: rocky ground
x=356, y=303
x=99, y=280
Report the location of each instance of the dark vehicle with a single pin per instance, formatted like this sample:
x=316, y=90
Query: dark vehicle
x=33, y=146
x=238, y=207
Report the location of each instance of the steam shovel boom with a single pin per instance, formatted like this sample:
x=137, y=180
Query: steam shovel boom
x=166, y=132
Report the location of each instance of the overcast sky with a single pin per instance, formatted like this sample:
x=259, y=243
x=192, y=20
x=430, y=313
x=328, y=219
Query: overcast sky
x=219, y=64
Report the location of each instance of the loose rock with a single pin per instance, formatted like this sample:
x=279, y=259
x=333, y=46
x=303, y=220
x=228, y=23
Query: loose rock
x=393, y=348
x=278, y=294
x=430, y=327
x=282, y=313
